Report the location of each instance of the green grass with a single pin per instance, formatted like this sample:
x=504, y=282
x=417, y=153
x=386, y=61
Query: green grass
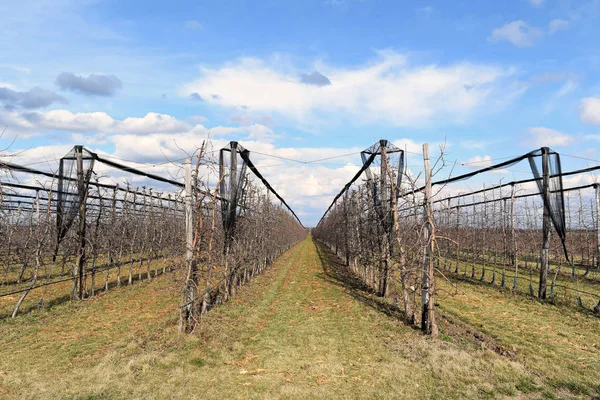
x=60, y=291
x=565, y=288
x=556, y=342
x=303, y=329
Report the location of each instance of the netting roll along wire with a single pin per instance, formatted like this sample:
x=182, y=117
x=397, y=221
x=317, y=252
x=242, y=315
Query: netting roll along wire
x=73, y=181
x=394, y=157
x=233, y=172
x=555, y=202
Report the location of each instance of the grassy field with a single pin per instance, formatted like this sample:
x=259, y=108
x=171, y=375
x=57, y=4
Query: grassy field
x=558, y=343
x=57, y=290
x=304, y=329
x=566, y=289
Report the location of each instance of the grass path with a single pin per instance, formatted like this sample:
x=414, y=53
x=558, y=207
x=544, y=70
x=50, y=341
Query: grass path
x=304, y=329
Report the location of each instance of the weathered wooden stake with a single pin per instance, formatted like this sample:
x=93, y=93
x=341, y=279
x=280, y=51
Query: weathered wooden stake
x=82, y=194
x=385, y=228
x=188, y=309
x=597, y=190
x=545, y=225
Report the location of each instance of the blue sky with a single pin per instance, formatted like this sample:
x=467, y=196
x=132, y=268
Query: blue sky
x=142, y=80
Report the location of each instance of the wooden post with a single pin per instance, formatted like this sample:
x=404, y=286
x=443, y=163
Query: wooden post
x=82, y=194
x=346, y=229
x=111, y=254
x=59, y=211
x=188, y=310
x=458, y=236
x=428, y=324
x=597, y=190
x=513, y=239
x=233, y=202
x=37, y=207
x=384, y=217
x=545, y=225
x=189, y=225
x=485, y=227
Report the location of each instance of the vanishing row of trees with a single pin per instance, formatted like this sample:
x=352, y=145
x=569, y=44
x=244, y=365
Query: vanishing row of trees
x=234, y=232
x=392, y=255
x=397, y=236
x=69, y=229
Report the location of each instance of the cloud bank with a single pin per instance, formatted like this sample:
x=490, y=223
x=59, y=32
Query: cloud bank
x=389, y=89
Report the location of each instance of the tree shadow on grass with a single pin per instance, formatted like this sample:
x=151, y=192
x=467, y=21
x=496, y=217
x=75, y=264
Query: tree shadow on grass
x=336, y=272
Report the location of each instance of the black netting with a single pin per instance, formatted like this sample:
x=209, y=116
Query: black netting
x=233, y=175
x=75, y=171
x=555, y=201
x=394, y=156
x=233, y=162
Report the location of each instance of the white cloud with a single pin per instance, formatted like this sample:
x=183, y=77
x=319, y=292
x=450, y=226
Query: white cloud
x=155, y=123
x=540, y=136
x=536, y=3
x=74, y=122
x=478, y=162
x=518, y=33
x=409, y=145
x=97, y=122
x=193, y=24
x=425, y=10
x=589, y=111
x=558, y=25
x=547, y=77
x=389, y=89
x=24, y=70
x=521, y=34
x=8, y=86
x=568, y=87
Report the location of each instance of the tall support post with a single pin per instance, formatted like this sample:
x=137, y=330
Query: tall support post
x=37, y=207
x=233, y=178
x=59, y=209
x=597, y=190
x=428, y=324
x=233, y=201
x=189, y=221
x=188, y=310
x=513, y=238
x=457, y=235
x=79, y=286
x=546, y=223
x=384, y=217
x=346, y=229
